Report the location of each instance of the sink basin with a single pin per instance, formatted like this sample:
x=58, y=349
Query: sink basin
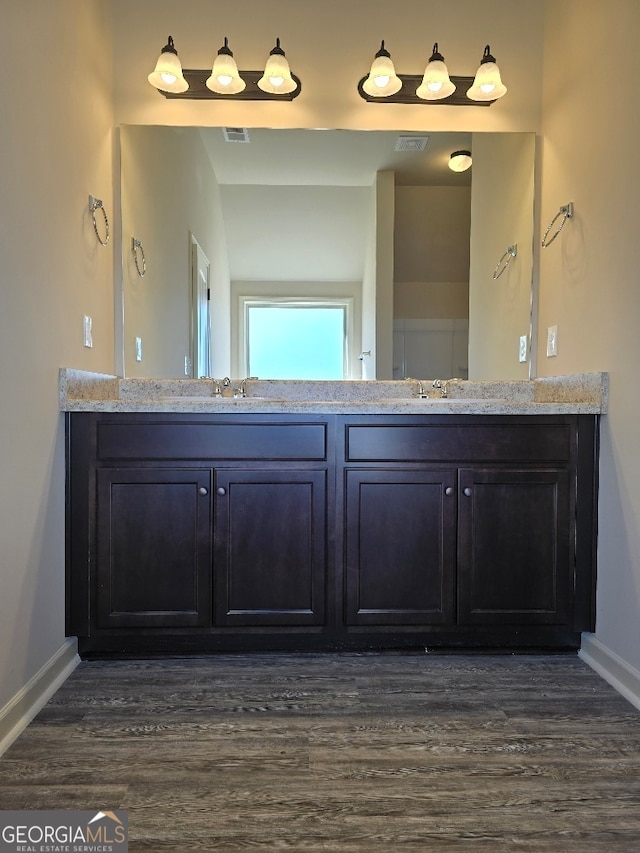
x=198, y=398
x=450, y=401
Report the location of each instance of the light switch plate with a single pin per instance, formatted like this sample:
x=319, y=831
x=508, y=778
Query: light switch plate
x=87, y=331
x=138, y=349
x=522, y=351
x=552, y=341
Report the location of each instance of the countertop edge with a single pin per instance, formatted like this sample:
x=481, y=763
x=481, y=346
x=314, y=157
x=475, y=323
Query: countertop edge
x=439, y=407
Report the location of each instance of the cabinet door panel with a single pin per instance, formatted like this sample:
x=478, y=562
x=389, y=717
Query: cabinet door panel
x=514, y=546
x=270, y=550
x=400, y=547
x=154, y=548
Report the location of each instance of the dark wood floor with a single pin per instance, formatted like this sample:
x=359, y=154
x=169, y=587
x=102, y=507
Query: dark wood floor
x=340, y=753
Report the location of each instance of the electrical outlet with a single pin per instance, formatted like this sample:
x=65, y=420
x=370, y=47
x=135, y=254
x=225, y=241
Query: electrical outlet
x=87, y=331
x=522, y=352
x=138, y=349
x=552, y=341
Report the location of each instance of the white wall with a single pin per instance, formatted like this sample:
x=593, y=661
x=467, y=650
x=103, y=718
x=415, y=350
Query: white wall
x=291, y=233
x=56, y=150
x=589, y=275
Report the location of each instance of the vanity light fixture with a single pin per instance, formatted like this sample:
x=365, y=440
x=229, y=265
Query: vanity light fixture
x=225, y=78
x=167, y=76
x=436, y=83
x=277, y=79
x=487, y=85
x=460, y=161
x=435, y=86
x=382, y=80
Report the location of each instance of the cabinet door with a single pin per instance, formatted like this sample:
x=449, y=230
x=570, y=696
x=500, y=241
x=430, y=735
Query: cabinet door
x=269, y=547
x=514, y=558
x=400, y=547
x=154, y=548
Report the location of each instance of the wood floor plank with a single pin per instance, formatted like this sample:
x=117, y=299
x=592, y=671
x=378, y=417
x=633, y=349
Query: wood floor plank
x=354, y=753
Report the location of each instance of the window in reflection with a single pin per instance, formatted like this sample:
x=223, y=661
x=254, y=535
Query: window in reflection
x=297, y=340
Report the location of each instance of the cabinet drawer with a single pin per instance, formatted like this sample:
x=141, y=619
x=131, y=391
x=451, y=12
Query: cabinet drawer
x=457, y=442
x=198, y=441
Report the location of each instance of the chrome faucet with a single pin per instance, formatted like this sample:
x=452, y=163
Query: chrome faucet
x=443, y=387
x=241, y=389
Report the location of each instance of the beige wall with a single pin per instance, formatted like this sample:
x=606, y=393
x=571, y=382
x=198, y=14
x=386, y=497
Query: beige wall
x=589, y=275
x=169, y=192
x=350, y=33
x=437, y=300
x=431, y=234
x=56, y=150
x=502, y=215
x=431, y=252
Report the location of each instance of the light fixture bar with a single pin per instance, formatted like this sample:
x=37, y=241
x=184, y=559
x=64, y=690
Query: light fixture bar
x=407, y=94
x=198, y=91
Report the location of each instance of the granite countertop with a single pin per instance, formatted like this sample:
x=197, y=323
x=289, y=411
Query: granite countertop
x=586, y=393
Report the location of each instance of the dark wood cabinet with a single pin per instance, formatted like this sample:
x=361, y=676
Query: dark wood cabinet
x=514, y=555
x=270, y=551
x=400, y=547
x=235, y=532
x=153, y=548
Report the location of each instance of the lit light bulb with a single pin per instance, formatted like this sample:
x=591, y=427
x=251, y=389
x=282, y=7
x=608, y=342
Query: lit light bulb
x=167, y=76
x=436, y=84
x=487, y=84
x=276, y=81
x=382, y=80
x=225, y=78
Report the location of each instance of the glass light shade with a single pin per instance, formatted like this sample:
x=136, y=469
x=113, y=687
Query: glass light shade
x=435, y=82
x=487, y=85
x=277, y=79
x=382, y=80
x=460, y=161
x=224, y=78
x=167, y=75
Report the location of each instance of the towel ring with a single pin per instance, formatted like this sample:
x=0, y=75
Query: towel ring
x=501, y=266
x=138, y=252
x=566, y=212
x=96, y=204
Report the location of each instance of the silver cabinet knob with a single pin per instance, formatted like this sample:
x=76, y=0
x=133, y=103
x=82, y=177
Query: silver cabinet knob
x=448, y=490
x=202, y=491
x=221, y=491
x=467, y=492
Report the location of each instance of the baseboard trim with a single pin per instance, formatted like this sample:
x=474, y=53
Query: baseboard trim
x=617, y=672
x=19, y=711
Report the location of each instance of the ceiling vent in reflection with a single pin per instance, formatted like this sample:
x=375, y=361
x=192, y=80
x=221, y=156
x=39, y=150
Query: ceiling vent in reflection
x=235, y=134
x=411, y=143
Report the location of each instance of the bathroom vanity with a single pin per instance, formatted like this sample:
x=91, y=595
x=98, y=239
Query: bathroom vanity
x=288, y=523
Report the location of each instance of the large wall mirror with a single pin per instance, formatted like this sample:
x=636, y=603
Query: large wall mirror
x=230, y=220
